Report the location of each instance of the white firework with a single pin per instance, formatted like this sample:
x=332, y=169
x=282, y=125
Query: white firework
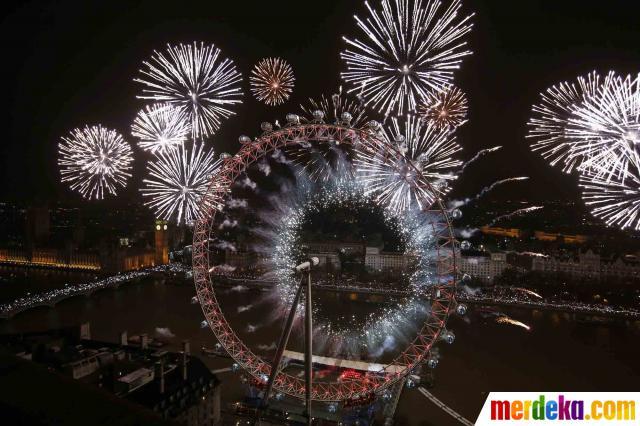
x=612, y=190
x=548, y=127
x=95, y=160
x=161, y=126
x=279, y=236
x=418, y=173
x=607, y=126
x=339, y=109
x=196, y=79
x=178, y=179
x=577, y=125
x=411, y=47
x=594, y=127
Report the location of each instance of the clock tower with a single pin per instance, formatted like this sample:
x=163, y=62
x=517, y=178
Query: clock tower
x=161, y=243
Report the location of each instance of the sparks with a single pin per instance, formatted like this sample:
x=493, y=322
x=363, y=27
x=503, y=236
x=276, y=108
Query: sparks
x=589, y=125
x=510, y=321
x=519, y=212
x=613, y=195
x=160, y=127
x=447, y=109
x=478, y=156
x=594, y=127
x=606, y=128
x=411, y=48
x=195, y=79
x=280, y=246
x=95, y=160
x=548, y=126
x=454, y=204
x=340, y=109
x=527, y=291
x=272, y=81
x=178, y=179
x=425, y=153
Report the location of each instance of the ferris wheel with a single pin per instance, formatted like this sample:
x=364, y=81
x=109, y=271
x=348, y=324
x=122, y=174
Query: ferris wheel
x=440, y=300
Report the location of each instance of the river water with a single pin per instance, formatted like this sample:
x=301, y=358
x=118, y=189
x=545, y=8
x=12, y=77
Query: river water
x=561, y=352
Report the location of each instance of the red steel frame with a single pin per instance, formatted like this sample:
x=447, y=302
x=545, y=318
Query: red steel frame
x=442, y=301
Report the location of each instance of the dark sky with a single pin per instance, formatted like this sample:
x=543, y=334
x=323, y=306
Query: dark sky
x=66, y=64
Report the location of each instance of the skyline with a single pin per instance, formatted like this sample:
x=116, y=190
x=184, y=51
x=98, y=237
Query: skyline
x=342, y=212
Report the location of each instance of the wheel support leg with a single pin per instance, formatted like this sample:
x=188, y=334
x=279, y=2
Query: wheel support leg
x=282, y=344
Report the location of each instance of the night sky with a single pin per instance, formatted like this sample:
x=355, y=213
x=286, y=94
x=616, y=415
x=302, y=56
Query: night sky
x=67, y=64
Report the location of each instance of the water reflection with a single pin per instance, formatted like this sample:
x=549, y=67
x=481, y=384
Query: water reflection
x=565, y=352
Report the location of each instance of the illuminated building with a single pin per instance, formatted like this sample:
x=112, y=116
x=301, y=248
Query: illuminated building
x=132, y=259
x=50, y=258
x=538, y=235
x=484, y=267
x=567, y=239
x=377, y=260
x=331, y=260
x=588, y=265
x=502, y=232
x=161, y=243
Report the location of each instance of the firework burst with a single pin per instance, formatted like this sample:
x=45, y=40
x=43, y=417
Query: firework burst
x=424, y=153
x=548, y=126
x=322, y=161
x=447, y=109
x=410, y=48
x=196, y=79
x=95, y=160
x=577, y=124
x=272, y=81
x=613, y=195
x=178, y=179
x=160, y=127
x=593, y=126
x=339, y=109
x=281, y=236
x=607, y=126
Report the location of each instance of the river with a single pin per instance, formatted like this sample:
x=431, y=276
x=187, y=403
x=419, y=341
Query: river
x=561, y=352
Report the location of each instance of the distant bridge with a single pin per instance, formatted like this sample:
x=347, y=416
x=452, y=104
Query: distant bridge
x=53, y=297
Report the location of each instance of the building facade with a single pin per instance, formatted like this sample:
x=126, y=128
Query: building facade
x=50, y=258
x=501, y=232
x=176, y=386
x=588, y=265
x=378, y=261
x=562, y=238
x=484, y=267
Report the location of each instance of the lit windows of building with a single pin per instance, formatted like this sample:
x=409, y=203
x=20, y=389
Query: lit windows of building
x=589, y=265
x=484, y=267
